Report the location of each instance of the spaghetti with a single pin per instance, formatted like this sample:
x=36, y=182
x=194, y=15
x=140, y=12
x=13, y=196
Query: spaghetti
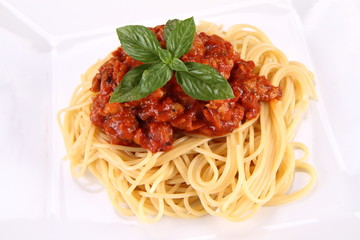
x=230, y=176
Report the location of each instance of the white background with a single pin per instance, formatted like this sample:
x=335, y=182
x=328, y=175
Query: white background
x=46, y=45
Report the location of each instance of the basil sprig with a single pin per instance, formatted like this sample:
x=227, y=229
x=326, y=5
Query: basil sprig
x=140, y=43
x=198, y=80
x=203, y=82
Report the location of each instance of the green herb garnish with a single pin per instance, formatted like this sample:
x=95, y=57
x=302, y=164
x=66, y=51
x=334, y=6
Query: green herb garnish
x=198, y=80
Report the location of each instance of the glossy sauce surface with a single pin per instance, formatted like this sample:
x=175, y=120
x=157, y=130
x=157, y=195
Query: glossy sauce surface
x=151, y=122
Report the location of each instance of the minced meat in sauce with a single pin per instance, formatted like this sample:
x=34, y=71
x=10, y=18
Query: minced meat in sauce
x=152, y=121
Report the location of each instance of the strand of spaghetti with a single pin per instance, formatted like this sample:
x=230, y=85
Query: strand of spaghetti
x=149, y=163
x=303, y=167
x=142, y=215
x=244, y=45
x=168, y=168
x=303, y=148
x=258, y=150
x=168, y=195
x=234, y=195
x=194, y=174
x=182, y=168
x=119, y=147
x=181, y=149
x=115, y=196
x=238, y=32
x=285, y=177
x=87, y=151
x=209, y=153
x=179, y=208
x=257, y=51
x=200, y=211
x=268, y=176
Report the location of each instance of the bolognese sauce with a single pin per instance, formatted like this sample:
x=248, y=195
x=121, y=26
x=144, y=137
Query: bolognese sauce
x=151, y=122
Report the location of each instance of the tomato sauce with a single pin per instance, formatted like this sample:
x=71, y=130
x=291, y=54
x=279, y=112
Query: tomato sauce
x=151, y=122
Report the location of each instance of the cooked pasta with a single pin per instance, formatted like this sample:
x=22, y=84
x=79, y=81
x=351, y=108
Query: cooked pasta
x=230, y=176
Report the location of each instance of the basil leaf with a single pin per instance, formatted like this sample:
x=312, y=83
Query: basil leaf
x=139, y=42
x=203, y=82
x=181, y=37
x=131, y=79
x=169, y=27
x=155, y=77
x=134, y=94
x=177, y=65
x=165, y=56
x=126, y=90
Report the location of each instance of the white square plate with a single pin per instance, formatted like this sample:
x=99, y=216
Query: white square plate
x=39, y=195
